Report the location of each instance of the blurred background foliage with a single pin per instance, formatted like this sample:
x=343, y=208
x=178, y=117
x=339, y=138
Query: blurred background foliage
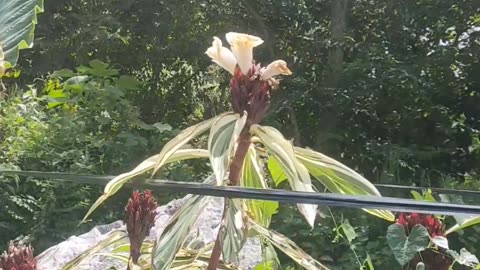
x=390, y=88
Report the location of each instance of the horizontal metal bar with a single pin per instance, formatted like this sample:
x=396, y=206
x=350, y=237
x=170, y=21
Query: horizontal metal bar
x=327, y=199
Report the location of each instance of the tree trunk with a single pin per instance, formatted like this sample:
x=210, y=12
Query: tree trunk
x=339, y=15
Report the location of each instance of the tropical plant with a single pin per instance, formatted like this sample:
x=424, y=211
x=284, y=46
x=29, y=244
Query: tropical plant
x=244, y=153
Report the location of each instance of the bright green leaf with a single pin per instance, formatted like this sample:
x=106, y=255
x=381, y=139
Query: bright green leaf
x=276, y=172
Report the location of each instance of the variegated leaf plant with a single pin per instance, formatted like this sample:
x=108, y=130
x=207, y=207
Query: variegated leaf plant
x=243, y=152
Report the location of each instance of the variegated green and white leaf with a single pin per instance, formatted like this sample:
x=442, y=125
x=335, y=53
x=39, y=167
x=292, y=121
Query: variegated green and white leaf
x=174, y=235
x=235, y=230
x=114, y=238
x=463, y=223
x=288, y=247
x=297, y=174
x=116, y=183
x=17, y=23
x=339, y=178
x=221, y=141
x=252, y=176
x=181, y=139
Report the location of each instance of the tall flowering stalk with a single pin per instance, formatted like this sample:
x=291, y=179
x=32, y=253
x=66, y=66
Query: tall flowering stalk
x=251, y=87
x=140, y=215
x=18, y=257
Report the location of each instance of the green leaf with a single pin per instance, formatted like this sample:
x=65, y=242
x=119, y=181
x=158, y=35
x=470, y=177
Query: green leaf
x=113, y=238
x=222, y=138
x=338, y=178
x=288, y=247
x=252, y=176
x=276, y=172
x=17, y=23
x=63, y=73
x=348, y=231
x=181, y=139
x=116, y=183
x=128, y=82
x=235, y=230
x=368, y=264
x=404, y=247
x=175, y=233
x=75, y=83
x=297, y=174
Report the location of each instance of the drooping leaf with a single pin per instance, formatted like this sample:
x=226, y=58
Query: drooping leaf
x=288, y=247
x=222, y=138
x=368, y=264
x=404, y=247
x=116, y=183
x=180, y=140
x=252, y=176
x=175, y=233
x=464, y=222
x=17, y=23
x=338, y=178
x=348, y=231
x=297, y=174
x=113, y=238
x=235, y=230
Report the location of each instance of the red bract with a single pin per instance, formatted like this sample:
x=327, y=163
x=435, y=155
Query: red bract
x=434, y=226
x=251, y=94
x=140, y=215
x=18, y=257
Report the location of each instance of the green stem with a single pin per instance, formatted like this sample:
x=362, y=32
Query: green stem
x=244, y=141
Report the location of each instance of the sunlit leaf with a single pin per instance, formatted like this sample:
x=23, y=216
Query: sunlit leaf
x=252, y=176
x=175, y=233
x=440, y=241
x=276, y=171
x=180, y=140
x=17, y=23
x=222, y=138
x=288, y=247
x=464, y=258
x=235, y=230
x=404, y=247
x=463, y=223
x=297, y=174
x=338, y=178
x=116, y=183
x=113, y=238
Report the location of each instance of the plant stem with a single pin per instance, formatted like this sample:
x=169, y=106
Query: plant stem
x=244, y=140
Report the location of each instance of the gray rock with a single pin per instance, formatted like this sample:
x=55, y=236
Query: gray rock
x=204, y=232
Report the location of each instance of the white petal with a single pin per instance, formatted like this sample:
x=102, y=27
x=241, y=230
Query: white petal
x=278, y=67
x=242, y=47
x=221, y=55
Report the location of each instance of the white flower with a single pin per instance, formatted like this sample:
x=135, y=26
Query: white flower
x=278, y=67
x=221, y=55
x=242, y=47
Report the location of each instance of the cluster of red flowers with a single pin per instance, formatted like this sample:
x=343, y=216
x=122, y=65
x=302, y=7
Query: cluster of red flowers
x=140, y=215
x=250, y=94
x=18, y=257
x=434, y=225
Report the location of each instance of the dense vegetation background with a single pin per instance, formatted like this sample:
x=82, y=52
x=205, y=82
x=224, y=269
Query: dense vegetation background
x=391, y=88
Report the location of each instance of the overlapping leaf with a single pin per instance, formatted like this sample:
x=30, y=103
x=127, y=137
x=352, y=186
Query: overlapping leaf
x=222, y=139
x=181, y=139
x=235, y=230
x=116, y=183
x=174, y=235
x=252, y=176
x=338, y=178
x=298, y=176
x=17, y=23
x=113, y=238
x=288, y=247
